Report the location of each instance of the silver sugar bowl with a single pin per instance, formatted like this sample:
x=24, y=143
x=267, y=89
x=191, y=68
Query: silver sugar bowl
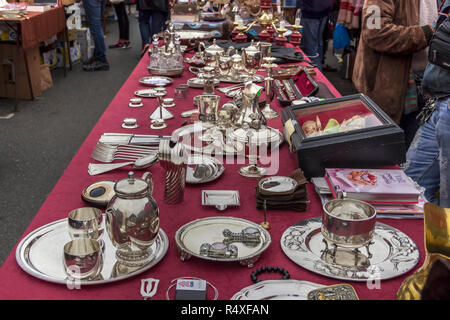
x=132, y=220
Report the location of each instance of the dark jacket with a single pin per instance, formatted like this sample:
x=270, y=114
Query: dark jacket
x=436, y=80
x=315, y=9
x=161, y=5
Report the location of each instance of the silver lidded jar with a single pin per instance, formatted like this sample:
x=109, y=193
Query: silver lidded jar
x=132, y=220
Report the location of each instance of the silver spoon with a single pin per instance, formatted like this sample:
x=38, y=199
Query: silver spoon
x=141, y=163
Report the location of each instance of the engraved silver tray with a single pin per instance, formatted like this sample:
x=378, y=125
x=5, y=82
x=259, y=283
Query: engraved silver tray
x=199, y=83
x=277, y=290
x=40, y=254
x=203, y=169
x=390, y=254
x=192, y=235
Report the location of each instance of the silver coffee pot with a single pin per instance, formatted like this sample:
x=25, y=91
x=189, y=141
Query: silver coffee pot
x=132, y=219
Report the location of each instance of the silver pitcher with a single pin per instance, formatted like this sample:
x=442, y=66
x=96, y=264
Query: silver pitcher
x=132, y=220
x=250, y=110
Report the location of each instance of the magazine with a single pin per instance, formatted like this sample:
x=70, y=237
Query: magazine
x=382, y=186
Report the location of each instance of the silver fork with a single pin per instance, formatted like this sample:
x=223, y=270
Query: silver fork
x=108, y=153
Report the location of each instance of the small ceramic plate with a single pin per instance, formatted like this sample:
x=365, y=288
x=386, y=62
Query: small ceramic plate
x=156, y=81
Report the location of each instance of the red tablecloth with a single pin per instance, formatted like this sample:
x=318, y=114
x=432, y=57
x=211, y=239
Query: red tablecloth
x=229, y=278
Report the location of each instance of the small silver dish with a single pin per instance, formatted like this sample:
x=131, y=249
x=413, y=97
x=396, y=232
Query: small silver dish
x=135, y=103
x=199, y=83
x=130, y=123
x=168, y=103
x=277, y=184
x=188, y=114
x=156, y=81
x=149, y=93
x=221, y=199
x=158, y=124
x=203, y=169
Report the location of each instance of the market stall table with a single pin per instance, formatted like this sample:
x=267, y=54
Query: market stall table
x=30, y=31
x=228, y=278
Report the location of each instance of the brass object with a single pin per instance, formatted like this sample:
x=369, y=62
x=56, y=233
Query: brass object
x=335, y=292
x=437, y=245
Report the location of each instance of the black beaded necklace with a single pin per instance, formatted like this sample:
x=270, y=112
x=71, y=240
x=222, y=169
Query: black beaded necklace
x=275, y=269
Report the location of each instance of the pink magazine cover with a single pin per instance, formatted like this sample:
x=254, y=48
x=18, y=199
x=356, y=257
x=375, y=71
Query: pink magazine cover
x=373, y=185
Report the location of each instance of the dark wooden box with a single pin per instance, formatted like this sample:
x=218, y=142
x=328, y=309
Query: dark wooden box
x=370, y=140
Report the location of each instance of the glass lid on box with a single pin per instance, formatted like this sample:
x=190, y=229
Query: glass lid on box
x=336, y=117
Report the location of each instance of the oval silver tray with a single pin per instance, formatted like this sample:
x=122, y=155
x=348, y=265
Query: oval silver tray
x=146, y=93
x=199, y=83
x=192, y=235
x=208, y=167
x=277, y=290
x=390, y=254
x=40, y=254
x=166, y=72
x=156, y=81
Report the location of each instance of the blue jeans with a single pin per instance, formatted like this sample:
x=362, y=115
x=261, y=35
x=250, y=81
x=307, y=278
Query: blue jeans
x=312, y=40
x=94, y=12
x=427, y=158
x=150, y=23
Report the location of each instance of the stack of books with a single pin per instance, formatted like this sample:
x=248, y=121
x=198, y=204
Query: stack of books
x=390, y=191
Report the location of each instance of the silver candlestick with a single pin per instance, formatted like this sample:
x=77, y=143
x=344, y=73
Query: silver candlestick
x=268, y=111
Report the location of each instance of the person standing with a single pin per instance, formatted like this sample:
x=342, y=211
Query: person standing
x=94, y=10
x=314, y=20
x=153, y=15
x=391, y=34
x=124, y=25
x=428, y=158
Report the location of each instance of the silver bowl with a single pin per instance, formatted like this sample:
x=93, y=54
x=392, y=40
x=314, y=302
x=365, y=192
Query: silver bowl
x=348, y=223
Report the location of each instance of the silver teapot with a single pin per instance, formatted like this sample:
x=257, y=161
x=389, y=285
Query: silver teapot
x=132, y=220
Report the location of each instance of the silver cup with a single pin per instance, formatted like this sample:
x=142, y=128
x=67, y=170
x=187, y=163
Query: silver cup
x=266, y=49
x=348, y=222
x=85, y=223
x=82, y=258
x=208, y=106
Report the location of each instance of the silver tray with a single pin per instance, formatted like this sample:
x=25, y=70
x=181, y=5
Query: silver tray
x=199, y=83
x=192, y=235
x=392, y=253
x=145, y=93
x=203, y=169
x=40, y=254
x=277, y=290
x=155, y=81
x=166, y=72
x=221, y=199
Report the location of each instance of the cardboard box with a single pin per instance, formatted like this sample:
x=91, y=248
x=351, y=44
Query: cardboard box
x=14, y=81
x=46, y=78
